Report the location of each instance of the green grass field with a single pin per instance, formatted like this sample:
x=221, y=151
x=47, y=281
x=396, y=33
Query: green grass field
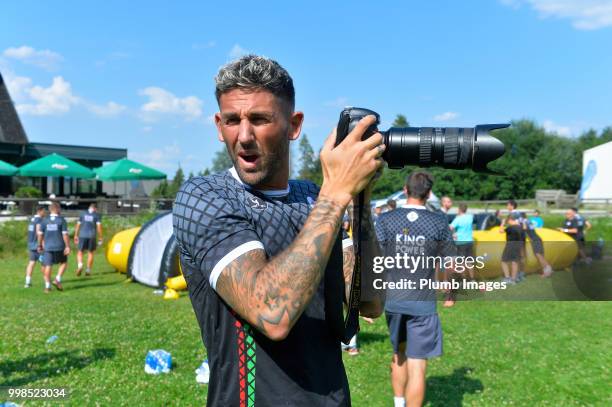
x=496, y=353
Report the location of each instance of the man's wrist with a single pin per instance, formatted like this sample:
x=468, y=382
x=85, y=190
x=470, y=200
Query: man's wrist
x=340, y=198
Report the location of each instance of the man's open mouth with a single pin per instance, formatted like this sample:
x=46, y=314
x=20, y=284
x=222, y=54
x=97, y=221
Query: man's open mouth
x=248, y=160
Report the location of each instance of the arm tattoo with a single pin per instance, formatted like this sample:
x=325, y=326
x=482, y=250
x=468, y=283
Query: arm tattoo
x=274, y=293
x=348, y=264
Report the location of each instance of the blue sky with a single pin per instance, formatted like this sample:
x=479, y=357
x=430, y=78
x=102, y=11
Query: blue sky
x=139, y=75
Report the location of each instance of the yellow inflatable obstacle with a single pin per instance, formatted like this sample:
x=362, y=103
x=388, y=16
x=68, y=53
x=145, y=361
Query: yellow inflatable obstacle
x=560, y=250
x=149, y=255
x=118, y=250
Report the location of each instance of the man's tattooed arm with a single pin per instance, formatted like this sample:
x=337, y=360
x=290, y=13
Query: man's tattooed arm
x=272, y=294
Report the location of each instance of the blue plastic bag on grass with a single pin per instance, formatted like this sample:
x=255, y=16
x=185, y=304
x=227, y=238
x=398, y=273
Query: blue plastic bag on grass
x=158, y=361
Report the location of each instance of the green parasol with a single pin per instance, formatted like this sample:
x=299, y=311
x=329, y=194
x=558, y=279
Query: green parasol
x=124, y=169
x=55, y=165
x=7, y=169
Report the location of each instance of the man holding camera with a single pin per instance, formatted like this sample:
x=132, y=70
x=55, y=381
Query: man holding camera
x=414, y=326
x=263, y=256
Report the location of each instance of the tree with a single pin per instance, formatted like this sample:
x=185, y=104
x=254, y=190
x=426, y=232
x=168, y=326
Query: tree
x=307, y=158
x=310, y=166
x=177, y=181
x=167, y=189
x=400, y=121
x=221, y=162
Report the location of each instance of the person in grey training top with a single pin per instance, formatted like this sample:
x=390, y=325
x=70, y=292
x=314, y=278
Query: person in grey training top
x=88, y=228
x=54, y=244
x=33, y=243
x=410, y=310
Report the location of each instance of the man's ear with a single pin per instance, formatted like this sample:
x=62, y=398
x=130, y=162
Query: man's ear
x=406, y=191
x=295, y=125
x=218, y=124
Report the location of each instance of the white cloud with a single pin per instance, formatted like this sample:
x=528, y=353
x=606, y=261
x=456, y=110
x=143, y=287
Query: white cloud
x=164, y=102
x=206, y=45
x=44, y=58
x=111, y=109
x=164, y=159
x=584, y=14
x=552, y=127
x=446, y=116
x=340, y=102
x=237, y=51
x=18, y=86
x=55, y=99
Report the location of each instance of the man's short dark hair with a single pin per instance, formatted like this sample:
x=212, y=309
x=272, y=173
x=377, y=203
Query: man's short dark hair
x=54, y=206
x=251, y=73
x=392, y=204
x=40, y=208
x=537, y=211
x=463, y=207
x=419, y=184
x=92, y=205
x=574, y=209
x=512, y=203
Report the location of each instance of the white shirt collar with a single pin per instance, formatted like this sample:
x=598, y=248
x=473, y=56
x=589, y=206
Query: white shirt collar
x=272, y=193
x=415, y=207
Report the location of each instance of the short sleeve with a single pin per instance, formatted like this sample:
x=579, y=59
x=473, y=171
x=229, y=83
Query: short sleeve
x=211, y=231
x=42, y=226
x=455, y=222
x=64, y=226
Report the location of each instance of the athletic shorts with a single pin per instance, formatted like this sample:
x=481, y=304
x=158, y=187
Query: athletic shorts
x=536, y=242
x=512, y=251
x=422, y=334
x=51, y=258
x=34, y=255
x=86, y=243
x=465, y=250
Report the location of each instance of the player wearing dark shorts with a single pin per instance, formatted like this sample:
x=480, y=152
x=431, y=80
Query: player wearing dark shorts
x=575, y=226
x=87, y=234
x=263, y=255
x=412, y=319
x=512, y=255
x=33, y=253
x=53, y=240
x=512, y=206
x=536, y=245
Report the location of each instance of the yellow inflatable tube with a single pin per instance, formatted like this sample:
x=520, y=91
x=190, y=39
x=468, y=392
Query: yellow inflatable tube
x=560, y=250
x=118, y=249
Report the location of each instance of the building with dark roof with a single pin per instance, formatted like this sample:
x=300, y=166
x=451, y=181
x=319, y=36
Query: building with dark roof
x=16, y=149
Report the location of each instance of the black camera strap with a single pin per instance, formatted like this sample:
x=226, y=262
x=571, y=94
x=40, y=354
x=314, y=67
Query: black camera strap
x=351, y=322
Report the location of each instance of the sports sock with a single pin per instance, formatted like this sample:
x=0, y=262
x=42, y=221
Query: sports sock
x=47, y=284
x=80, y=265
x=399, y=402
x=28, y=280
x=58, y=278
x=88, y=270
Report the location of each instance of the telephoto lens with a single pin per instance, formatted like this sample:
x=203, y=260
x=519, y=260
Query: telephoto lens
x=446, y=147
